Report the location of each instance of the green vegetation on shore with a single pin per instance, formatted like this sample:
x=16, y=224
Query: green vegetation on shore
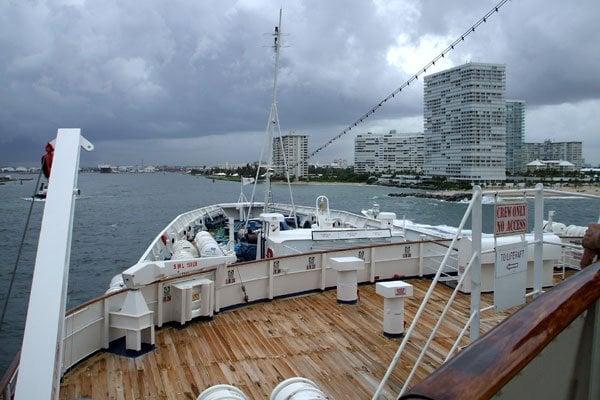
x=328, y=174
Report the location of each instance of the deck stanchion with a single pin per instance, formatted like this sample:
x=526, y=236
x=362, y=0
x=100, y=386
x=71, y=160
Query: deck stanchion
x=422, y=238
x=323, y=270
x=219, y=278
x=159, y=304
x=270, y=266
x=476, y=217
x=105, y=324
x=372, y=264
x=538, y=237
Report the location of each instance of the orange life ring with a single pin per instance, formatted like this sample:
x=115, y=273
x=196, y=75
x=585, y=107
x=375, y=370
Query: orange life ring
x=269, y=253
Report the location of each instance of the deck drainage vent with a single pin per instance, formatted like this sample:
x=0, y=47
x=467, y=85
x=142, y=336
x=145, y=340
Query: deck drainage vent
x=297, y=389
x=222, y=392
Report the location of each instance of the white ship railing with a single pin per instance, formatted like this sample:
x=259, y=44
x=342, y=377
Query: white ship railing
x=474, y=210
x=87, y=327
x=474, y=267
x=178, y=224
x=192, y=218
x=345, y=217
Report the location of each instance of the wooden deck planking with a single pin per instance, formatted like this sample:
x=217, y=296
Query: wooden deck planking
x=340, y=347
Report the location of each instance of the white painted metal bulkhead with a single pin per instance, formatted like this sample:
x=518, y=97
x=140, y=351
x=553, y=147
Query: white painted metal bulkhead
x=41, y=352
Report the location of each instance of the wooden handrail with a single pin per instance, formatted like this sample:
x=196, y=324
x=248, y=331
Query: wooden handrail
x=483, y=368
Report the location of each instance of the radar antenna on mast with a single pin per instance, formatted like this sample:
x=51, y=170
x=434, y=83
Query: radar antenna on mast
x=273, y=126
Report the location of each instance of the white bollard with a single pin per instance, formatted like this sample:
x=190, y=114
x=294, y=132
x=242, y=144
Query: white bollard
x=394, y=293
x=297, y=389
x=222, y=392
x=346, y=268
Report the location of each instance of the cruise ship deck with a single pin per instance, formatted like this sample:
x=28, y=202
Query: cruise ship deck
x=339, y=347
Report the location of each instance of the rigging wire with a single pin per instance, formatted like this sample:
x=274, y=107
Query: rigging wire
x=285, y=164
x=413, y=77
x=451, y=47
x=19, y=251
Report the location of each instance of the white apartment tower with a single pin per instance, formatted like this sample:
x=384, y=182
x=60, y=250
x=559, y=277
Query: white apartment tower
x=388, y=152
x=295, y=148
x=465, y=123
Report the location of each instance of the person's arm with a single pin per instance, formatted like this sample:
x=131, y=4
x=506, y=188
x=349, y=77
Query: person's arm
x=591, y=245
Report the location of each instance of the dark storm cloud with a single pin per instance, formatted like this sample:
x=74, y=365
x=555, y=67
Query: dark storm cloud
x=154, y=70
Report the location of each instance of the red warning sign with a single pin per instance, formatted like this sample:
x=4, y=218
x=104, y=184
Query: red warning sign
x=510, y=218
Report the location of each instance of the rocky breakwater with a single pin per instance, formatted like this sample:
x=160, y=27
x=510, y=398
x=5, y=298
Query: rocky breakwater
x=454, y=196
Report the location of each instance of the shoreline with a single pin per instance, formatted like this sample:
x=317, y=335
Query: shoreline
x=236, y=179
x=441, y=194
x=460, y=195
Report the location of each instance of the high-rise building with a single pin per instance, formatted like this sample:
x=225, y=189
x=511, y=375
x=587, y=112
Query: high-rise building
x=465, y=123
x=515, y=134
x=549, y=150
x=295, y=154
x=388, y=152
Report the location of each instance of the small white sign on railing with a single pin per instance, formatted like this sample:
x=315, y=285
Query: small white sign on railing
x=511, y=276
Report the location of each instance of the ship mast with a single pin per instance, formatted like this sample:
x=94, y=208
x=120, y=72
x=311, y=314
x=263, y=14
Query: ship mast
x=273, y=121
x=273, y=126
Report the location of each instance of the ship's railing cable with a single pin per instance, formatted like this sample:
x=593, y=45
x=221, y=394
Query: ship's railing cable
x=421, y=309
x=413, y=77
x=20, y=250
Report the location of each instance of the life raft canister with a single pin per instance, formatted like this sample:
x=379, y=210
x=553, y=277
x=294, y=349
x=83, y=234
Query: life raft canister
x=269, y=253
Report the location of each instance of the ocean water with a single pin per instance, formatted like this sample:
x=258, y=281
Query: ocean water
x=118, y=215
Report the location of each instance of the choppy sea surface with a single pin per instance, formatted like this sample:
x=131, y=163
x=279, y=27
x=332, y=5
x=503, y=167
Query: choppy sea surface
x=118, y=215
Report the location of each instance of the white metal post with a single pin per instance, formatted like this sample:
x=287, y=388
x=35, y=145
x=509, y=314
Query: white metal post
x=231, y=223
x=476, y=222
x=372, y=265
x=270, y=267
x=41, y=353
x=421, y=239
x=538, y=237
x=323, y=270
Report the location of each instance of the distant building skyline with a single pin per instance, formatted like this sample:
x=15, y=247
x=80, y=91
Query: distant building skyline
x=388, y=152
x=291, y=150
x=554, y=151
x=465, y=122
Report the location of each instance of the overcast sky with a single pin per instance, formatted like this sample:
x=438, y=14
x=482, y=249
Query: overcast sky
x=188, y=81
